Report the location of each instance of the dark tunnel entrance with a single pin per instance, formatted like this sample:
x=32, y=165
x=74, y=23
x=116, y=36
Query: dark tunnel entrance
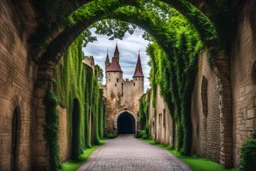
x=126, y=123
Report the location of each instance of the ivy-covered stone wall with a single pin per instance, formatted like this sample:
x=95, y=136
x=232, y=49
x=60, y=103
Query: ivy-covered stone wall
x=75, y=88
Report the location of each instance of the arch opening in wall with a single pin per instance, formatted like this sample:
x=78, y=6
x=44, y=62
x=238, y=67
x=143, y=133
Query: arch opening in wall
x=15, y=141
x=92, y=127
x=204, y=96
x=75, y=129
x=254, y=73
x=126, y=123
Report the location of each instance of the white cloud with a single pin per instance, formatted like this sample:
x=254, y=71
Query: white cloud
x=128, y=48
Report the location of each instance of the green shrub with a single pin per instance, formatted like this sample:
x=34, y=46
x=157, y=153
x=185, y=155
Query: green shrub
x=111, y=135
x=254, y=134
x=248, y=154
x=138, y=134
x=142, y=134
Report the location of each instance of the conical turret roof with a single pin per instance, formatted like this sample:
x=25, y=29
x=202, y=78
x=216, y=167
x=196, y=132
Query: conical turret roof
x=114, y=66
x=138, y=70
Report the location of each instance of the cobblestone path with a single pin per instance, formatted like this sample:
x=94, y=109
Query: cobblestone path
x=126, y=153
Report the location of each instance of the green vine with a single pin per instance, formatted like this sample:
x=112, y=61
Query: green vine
x=110, y=9
x=78, y=90
x=174, y=72
x=51, y=129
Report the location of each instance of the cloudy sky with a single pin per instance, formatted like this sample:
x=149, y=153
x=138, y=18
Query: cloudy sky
x=128, y=49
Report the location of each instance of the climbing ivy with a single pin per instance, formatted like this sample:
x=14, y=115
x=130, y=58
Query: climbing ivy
x=174, y=71
x=51, y=129
x=144, y=116
x=76, y=81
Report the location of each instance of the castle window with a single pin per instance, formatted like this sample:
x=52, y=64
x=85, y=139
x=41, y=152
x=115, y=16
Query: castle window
x=160, y=119
x=115, y=85
x=117, y=80
x=108, y=73
x=133, y=84
x=204, y=97
x=164, y=121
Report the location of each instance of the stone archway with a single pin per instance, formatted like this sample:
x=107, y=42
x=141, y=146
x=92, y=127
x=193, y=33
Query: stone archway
x=125, y=124
x=131, y=115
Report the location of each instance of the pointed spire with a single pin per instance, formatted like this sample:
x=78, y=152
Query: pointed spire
x=138, y=70
x=107, y=58
x=116, y=50
x=107, y=62
x=116, y=54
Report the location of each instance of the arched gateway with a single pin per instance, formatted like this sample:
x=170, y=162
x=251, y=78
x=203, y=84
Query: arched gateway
x=125, y=124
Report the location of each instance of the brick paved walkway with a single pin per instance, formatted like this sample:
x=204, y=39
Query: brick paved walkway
x=126, y=153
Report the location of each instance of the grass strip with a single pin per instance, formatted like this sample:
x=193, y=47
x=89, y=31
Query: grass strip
x=194, y=162
x=73, y=165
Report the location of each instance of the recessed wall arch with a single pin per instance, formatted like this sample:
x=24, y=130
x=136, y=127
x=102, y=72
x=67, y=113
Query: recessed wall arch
x=253, y=73
x=204, y=96
x=75, y=128
x=16, y=114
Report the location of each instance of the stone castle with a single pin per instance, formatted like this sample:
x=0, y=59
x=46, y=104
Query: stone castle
x=122, y=95
x=223, y=105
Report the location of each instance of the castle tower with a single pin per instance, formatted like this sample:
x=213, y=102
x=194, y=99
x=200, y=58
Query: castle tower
x=114, y=73
x=116, y=54
x=138, y=76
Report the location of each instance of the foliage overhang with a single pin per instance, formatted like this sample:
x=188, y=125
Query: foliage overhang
x=97, y=10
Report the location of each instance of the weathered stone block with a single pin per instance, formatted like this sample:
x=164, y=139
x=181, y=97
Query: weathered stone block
x=251, y=113
x=249, y=123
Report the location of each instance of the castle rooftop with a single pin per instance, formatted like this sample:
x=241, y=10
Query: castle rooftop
x=114, y=66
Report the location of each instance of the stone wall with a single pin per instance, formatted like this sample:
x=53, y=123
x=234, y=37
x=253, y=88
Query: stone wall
x=63, y=135
x=205, y=113
x=17, y=77
x=161, y=123
x=243, y=76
